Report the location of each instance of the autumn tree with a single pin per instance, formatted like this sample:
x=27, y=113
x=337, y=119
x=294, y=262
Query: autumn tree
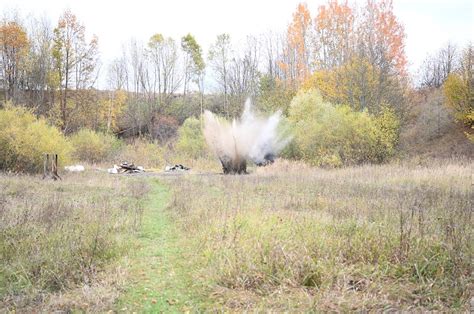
x=111, y=108
x=219, y=58
x=296, y=59
x=75, y=63
x=459, y=89
x=354, y=83
x=334, y=35
x=194, y=66
x=381, y=37
x=359, y=59
x=13, y=50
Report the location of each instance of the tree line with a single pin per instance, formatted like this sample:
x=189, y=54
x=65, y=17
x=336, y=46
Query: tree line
x=353, y=54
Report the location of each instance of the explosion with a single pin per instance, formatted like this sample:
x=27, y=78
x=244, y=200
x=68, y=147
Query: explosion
x=251, y=138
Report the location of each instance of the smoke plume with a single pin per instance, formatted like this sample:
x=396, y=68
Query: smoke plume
x=250, y=138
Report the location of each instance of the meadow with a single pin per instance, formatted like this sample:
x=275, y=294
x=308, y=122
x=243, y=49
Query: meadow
x=349, y=154
x=286, y=237
x=289, y=237
x=58, y=237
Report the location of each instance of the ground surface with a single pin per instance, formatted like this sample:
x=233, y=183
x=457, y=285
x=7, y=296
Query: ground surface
x=160, y=277
x=284, y=238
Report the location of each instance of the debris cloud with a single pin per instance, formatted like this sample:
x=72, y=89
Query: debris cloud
x=250, y=138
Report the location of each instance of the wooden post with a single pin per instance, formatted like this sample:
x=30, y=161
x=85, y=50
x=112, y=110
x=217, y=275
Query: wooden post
x=55, y=168
x=53, y=172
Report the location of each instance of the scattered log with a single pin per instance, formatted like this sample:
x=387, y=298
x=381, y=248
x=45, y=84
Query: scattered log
x=125, y=167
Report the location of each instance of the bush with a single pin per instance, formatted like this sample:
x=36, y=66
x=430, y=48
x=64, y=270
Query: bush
x=93, y=146
x=143, y=153
x=459, y=98
x=191, y=142
x=164, y=128
x=24, y=139
x=335, y=135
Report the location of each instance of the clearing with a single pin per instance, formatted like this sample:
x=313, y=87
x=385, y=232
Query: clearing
x=284, y=238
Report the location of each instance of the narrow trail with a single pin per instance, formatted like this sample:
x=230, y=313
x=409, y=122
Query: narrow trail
x=159, y=279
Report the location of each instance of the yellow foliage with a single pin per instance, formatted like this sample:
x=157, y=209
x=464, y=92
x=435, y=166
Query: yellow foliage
x=335, y=135
x=24, y=139
x=353, y=83
x=111, y=109
x=143, y=153
x=460, y=98
x=191, y=142
x=93, y=146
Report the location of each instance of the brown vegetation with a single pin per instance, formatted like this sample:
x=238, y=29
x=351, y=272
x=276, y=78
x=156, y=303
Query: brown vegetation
x=294, y=238
x=56, y=238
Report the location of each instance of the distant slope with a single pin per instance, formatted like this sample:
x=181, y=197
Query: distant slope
x=431, y=130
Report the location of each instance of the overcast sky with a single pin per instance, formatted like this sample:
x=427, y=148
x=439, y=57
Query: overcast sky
x=428, y=23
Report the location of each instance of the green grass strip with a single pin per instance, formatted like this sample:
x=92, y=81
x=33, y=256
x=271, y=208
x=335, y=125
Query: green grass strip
x=160, y=275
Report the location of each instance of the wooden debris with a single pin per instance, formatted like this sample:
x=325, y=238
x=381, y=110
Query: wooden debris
x=177, y=167
x=125, y=167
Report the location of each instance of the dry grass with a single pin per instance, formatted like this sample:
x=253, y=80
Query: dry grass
x=57, y=238
x=288, y=237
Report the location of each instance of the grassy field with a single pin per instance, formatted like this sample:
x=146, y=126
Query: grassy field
x=286, y=238
x=293, y=238
x=59, y=240
x=159, y=272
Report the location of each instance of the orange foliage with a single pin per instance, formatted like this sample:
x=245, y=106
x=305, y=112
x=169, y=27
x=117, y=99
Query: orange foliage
x=334, y=25
x=13, y=47
x=13, y=36
x=295, y=65
x=389, y=32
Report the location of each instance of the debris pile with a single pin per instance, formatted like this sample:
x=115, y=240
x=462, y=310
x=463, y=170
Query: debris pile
x=177, y=167
x=125, y=167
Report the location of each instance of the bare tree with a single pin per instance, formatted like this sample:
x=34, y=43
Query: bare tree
x=38, y=76
x=243, y=71
x=117, y=74
x=219, y=57
x=436, y=68
x=163, y=54
x=272, y=47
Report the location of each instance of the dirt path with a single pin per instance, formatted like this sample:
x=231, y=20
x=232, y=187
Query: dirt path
x=160, y=280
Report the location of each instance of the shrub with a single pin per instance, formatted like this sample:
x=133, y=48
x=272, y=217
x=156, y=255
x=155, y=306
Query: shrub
x=459, y=98
x=24, y=139
x=191, y=142
x=143, y=153
x=458, y=88
x=164, y=128
x=334, y=135
x=93, y=146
